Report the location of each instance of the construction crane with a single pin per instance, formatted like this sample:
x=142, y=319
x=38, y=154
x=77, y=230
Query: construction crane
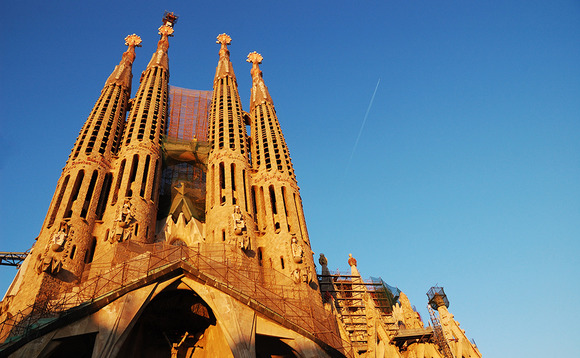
x=12, y=258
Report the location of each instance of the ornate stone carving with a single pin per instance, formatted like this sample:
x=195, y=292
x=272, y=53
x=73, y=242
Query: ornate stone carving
x=306, y=275
x=244, y=242
x=224, y=39
x=165, y=31
x=255, y=58
x=48, y=264
x=296, y=276
x=239, y=223
x=351, y=260
x=133, y=40
x=59, y=238
x=297, y=251
x=322, y=260
x=123, y=223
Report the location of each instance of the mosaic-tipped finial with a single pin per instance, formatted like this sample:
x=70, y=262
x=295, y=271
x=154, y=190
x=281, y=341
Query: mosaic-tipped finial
x=255, y=58
x=166, y=30
x=224, y=39
x=133, y=41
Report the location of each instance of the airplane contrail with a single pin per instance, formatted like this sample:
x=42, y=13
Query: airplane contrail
x=363, y=123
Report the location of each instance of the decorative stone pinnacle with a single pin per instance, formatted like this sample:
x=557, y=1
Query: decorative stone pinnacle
x=351, y=260
x=166, y=30
x=255, y=58
x=224, y=39
x=133, y=41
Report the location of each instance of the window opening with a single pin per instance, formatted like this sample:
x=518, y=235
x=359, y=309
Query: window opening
x=118, y=184
x=58, y=201
x=104, y=196
x=273, y=200
x=89, y=196
x=74, y=194
x=145, y=175
x=132, y=176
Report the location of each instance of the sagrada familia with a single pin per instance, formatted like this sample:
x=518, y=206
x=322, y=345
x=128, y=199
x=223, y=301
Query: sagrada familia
x=174, y=233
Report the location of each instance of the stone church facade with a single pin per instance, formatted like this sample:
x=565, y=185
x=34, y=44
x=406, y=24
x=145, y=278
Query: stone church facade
x=174, y=233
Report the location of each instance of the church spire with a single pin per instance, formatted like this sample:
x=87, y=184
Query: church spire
x=102, y=130
x=160, y=58
x=278, y=207
x=122, y=74
x=66, y=241
x=138, y=169
x=228, y=164
x=224, y=67
x=259, y=90
x=269, y=150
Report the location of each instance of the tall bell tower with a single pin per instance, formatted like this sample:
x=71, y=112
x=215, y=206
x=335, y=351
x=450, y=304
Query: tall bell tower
x=283, y=238
x=67, y=241
x=135, y=191
x=228, y=203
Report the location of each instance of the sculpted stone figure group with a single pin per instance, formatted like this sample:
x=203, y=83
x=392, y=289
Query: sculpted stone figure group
x=123, y=223
x=50, y=262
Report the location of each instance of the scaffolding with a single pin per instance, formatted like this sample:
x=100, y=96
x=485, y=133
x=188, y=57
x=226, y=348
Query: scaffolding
x=348, y=292
x=438, y=298
x=185, y=149
x=188, y=113
x=269, y=291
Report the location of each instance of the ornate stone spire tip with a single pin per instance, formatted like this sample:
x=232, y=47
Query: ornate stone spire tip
x=133, y=40
x=255, y=58
x=166, y=30
x=224, y=39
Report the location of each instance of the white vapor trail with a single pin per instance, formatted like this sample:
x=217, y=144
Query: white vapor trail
x=363, y=124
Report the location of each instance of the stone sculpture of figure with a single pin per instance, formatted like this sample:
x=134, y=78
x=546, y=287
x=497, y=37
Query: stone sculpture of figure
x=124, y=221
x=244, y=242
x=125, y=215
x=49, y=264
x=322, y=260
x=296, y=276
x=297, y=251
x=58, y=239
x=351, y=260
x=239, y=224
x=306, y=275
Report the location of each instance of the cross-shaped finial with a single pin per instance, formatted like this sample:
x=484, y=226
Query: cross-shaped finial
x=255, y=58
x=224, y=39
x=133, y=41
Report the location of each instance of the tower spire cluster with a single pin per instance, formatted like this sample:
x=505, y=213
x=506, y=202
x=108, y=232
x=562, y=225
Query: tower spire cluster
x=140, y=270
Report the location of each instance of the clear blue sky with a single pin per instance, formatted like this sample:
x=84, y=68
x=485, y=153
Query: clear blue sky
x=467, y=172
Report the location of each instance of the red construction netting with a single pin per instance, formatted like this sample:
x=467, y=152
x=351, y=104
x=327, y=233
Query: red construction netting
x=188, y=113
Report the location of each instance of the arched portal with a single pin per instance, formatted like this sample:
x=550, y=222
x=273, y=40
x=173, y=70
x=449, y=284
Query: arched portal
x=273, y=347
x=174, y=322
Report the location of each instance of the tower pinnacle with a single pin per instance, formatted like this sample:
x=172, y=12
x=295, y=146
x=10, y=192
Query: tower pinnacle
x=133, y=41
x=260, y=92
x=228, y=165
x=122, y=73
x=160, y=57
x=224, y=40
x=224, y=67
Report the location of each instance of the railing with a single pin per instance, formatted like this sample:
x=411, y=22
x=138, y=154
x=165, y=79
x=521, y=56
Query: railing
x=229, y=266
